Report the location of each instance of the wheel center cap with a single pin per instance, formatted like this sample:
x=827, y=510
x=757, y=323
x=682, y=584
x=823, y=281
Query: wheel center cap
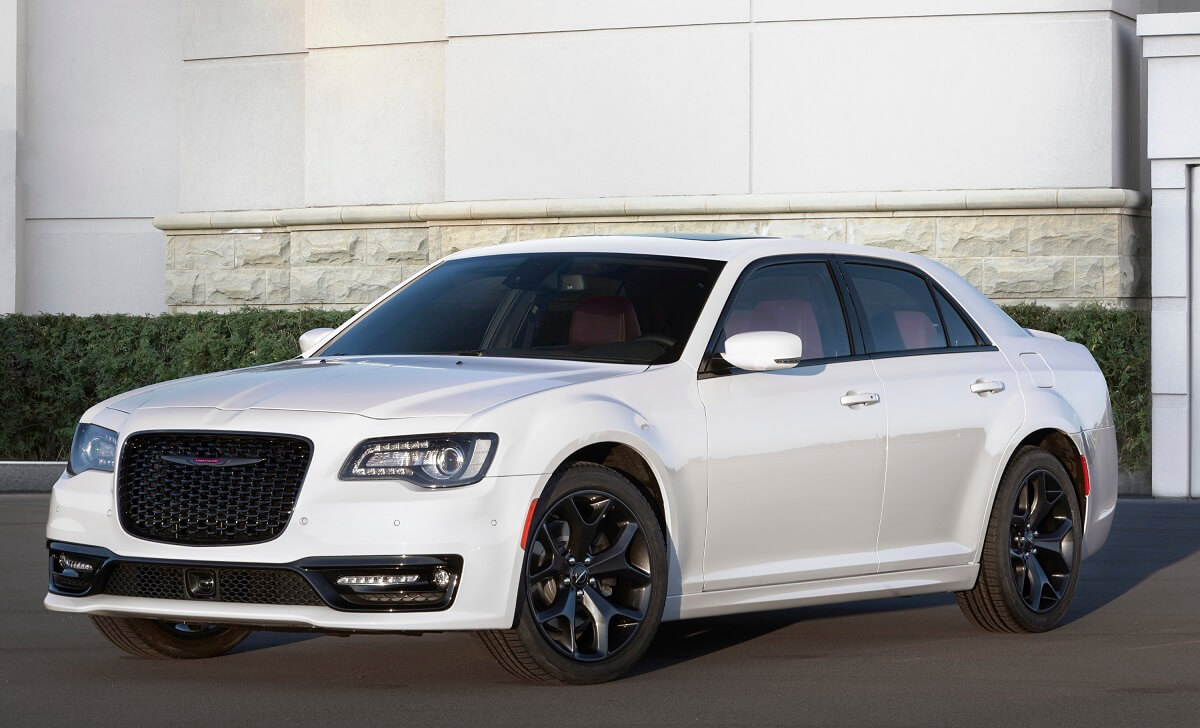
x=579, y=574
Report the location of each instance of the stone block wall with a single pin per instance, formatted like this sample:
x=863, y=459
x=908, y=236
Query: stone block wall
x=1055, y=257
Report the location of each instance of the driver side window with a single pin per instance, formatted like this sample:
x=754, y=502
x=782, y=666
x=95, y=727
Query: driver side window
x=798, y=298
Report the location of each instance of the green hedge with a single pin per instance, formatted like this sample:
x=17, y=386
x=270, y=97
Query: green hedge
x=55, y=367
x=1120, y=342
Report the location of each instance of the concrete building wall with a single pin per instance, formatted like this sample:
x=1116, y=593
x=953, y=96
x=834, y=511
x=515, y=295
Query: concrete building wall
x=99, y=153
x=290, y=109
x=659, y=116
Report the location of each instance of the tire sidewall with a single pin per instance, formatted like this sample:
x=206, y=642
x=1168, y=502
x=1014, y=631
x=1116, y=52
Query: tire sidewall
x=596, y=478
x=154, y=638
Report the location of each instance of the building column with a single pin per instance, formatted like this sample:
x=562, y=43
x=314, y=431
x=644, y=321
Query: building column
x=1171, y=45
x=12, y=90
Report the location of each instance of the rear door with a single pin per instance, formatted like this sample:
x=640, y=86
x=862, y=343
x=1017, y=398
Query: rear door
x=953, y=404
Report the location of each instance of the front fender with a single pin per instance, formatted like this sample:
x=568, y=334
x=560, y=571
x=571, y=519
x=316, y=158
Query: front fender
x=540, y=432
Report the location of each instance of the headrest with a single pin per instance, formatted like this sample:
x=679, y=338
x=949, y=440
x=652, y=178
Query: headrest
x=603, y=320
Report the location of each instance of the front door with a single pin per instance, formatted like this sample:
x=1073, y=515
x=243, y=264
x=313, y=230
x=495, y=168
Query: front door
x=796, y=457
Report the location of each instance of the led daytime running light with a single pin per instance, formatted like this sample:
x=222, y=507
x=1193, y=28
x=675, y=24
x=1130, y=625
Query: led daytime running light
x=377, y=580
x=66, y=562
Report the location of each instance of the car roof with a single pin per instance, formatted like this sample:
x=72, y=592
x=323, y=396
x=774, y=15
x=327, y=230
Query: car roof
x=712, y=247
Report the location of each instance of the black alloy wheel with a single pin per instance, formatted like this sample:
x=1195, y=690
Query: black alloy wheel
x=1031, y=552
x=1043, y=541
x=593, y=582
x=588, y=575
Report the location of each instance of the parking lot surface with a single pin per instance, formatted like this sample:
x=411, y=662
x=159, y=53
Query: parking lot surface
x=1129, y=655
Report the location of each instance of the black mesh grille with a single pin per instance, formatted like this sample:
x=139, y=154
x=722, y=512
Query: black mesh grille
x=245, y=586
x=200, y=504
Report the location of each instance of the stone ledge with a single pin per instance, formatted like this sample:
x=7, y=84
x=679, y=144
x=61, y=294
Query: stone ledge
x=803, y=202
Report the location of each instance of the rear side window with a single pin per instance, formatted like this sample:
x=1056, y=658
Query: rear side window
x=798, y=298
x=899, y=309
x=957, y=330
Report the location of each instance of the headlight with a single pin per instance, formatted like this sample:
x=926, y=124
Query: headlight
x=94, y=448
x=432, y=461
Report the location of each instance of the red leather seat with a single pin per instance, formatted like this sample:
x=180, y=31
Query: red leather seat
x=602, y=320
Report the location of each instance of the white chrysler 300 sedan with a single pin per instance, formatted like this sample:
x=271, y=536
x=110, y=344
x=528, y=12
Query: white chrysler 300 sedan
x=561, y=443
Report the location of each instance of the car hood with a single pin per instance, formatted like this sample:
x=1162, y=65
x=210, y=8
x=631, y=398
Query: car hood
x=378, y=387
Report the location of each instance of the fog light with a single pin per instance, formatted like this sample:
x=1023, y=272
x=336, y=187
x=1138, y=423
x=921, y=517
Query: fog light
x=441, y=579
x=73, y=573
x=377, y=580
x=77, y=565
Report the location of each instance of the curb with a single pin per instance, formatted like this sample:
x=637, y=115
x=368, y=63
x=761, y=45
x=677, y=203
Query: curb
x=29, y=477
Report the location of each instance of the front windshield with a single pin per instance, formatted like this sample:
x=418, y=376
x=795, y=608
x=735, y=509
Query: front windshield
x=635, y=309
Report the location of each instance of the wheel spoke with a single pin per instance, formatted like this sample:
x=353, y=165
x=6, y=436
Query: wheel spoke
x=551, y=541
x=1039, y=583
x=1037, y=497
x=564, y=608
x=1023, y=504
x=1021, y=573
x=542, y=574
x=582, y=529
x=614, y=561
x=544, y=545
x=1054, y=541
x=1045, y=500
x=602, y=611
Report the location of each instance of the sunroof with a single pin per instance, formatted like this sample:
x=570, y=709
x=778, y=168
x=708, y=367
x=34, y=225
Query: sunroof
x=689, y=236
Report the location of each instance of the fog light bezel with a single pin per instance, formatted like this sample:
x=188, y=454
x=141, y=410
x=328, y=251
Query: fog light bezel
x=426, y=592
x=66, y=579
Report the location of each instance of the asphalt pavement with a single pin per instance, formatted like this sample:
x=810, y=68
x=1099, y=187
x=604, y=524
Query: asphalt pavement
x=1129, y=655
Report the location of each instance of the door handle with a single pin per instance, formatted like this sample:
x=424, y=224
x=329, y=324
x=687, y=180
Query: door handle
x=984, y=387
x=855, y=399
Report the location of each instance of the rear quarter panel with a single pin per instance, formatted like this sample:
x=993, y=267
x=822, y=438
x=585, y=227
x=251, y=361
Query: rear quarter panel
x=1075, y=403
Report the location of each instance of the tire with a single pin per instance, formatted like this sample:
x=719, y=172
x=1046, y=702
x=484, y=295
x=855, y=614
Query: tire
x=169, y=640
x=595, y=534
x=1030, y=563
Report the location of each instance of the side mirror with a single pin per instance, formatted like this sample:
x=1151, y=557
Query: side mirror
x=763, y=351
x=313, y=338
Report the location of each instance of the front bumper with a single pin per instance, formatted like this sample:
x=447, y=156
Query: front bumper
x=372, y=523
x=423, y=583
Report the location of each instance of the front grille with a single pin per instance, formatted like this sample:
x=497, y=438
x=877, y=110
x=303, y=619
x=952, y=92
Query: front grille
x=244, y=586
x=167, y=501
